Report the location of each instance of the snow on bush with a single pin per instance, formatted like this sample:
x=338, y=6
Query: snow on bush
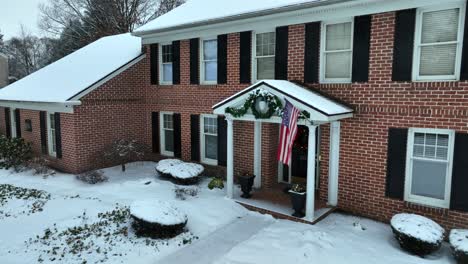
x=417, y=234
x=182, y=193
x=92, y=177
x=459, y=244
x=157, y=219
x=183, y=173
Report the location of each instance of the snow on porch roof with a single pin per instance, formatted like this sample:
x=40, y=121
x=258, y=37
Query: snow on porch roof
x=67, y=77
x=197, y=11
x=295, y=92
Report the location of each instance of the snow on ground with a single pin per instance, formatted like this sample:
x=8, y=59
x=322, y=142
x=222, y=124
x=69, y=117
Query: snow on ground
x=40, y=218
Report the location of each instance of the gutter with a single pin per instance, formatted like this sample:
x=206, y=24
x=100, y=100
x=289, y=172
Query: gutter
x=288, y=8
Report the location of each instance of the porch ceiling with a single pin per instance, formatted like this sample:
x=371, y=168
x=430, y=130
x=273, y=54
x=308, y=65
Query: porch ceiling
x=320, y=107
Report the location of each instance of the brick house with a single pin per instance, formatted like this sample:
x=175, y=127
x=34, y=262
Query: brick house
x=382, y=83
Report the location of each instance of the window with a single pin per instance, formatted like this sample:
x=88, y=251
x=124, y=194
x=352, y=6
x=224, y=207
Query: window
x=13, y=123
x=336, y=52
x=264, y=56
x=165, y=71
x=209, y=139
x=167, y=134
x=429, y=167
x=28, y=125
x=438, y=43
x=209, y=68
x=51, y=135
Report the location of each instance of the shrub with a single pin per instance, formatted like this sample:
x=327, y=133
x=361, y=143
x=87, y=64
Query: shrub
x=216, y=183
x=14, y=153
x=92, y=177
x=417, y=234
x=180, y=172
x=459, y=245
x=182, y=193
x=157, y=219
x=39, y=167
x=124, y=151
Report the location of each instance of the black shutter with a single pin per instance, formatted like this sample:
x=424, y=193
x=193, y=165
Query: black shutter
x=396, y=162
x=361, y=48
x=194, y=61
x=155, y=132
x=58, y=135
x=7, y=123
x=222, y=59
x=245, y=56
x=281, y=56
x=312, y=52
x=43, y=124
x=177, y=136
x=404, y=45
x=154, y=65
x=222, y=141
x=464, y=63
x=459, y=197
x=18, y=122
x=176, y=62
x=195, y=137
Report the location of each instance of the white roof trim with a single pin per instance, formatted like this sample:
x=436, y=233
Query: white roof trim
x=305, y=15
x=64, y=107
x=321, y=109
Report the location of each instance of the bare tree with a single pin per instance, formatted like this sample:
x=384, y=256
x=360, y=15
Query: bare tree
x=123, y=151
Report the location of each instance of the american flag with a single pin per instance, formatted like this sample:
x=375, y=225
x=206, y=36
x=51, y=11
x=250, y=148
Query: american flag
x=288, y=133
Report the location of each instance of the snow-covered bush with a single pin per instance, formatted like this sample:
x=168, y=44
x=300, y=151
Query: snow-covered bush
x=123, y=151
x=157, y=219
x=183, y=173
x=459, y=245
x=39, y=166
x=182, y=193
x=216, y=183
x=417, y=234
x=92, y=177
x=14, y=153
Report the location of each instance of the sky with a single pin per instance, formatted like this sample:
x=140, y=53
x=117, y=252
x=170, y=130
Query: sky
x=13, y=13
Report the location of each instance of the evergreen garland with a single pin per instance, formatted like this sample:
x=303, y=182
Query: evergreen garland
x=274, y=106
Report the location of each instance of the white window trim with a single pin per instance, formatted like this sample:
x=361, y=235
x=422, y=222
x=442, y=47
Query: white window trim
x=203, y=159
x=162, y=137
x=254, y=51
x=459, y=42
x=202, y=62
x=161, y=70
x=50, y=139
x=409, y=168
x=323, y=45
x=13, y=123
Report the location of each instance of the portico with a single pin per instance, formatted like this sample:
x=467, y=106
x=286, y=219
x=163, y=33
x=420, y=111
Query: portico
x=262, y=103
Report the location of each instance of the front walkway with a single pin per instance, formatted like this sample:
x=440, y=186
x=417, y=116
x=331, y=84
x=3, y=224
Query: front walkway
x=220, y=242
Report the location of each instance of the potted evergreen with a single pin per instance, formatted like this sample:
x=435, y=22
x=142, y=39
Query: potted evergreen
x=246, y=182
x=298, y=199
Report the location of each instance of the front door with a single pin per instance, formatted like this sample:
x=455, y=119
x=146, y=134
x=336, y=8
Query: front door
x=297, y=172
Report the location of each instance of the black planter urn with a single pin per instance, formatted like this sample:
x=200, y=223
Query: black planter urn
x=246, y=183
x=298, y=201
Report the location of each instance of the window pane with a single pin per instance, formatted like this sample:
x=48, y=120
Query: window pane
x=419, y=138
x=442, y=153
x=166, y=53
x=210, y=125
x=431, y=139
x=442, y=140
x=418, y=151
x=167, y=72
x=338, y=65
x=440, y=26
x=429, y=179
x=430, y=152
x=438, y=60
x=169, y=140
x=211, y=71
x=211, y=147
x=168, y=124
x=266, y=44
x=210, y=49
x=266, y=68
x=338, y=37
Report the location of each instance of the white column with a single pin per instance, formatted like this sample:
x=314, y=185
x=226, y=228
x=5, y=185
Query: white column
x=310, y=199
x=334, y=163
x=230, y=158
x=258, y=154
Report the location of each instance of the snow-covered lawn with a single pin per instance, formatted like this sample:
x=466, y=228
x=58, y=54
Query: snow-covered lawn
x=62, y=220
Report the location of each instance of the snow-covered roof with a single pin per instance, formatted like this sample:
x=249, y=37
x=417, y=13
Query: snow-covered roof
x=196, y=11
x=304, y=98
x=60, y=81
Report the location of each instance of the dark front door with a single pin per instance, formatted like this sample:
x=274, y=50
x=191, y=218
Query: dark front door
x=298, y=171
